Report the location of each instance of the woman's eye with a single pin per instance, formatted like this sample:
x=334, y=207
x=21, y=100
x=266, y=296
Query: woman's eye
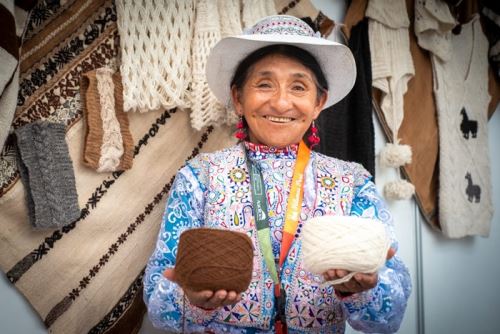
x=264, y=85
x=299, y=88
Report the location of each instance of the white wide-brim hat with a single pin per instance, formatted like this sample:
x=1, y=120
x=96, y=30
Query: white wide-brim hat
x=335, y=59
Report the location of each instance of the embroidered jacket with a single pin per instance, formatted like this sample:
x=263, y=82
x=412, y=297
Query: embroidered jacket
x=213, y=190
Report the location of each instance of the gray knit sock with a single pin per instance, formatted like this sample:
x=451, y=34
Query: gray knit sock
x=47, y=174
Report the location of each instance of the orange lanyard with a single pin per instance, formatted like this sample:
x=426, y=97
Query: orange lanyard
x=294, y=205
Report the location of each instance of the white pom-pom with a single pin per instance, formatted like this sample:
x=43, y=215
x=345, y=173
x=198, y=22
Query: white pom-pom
x=398, y=190
x=395, y=155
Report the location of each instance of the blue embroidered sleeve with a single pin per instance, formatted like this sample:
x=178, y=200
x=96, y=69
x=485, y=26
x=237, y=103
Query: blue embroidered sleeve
x=165, y=299
x=381, y=309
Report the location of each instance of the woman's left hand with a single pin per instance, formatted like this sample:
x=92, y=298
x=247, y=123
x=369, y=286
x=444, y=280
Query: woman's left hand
x=358, y=283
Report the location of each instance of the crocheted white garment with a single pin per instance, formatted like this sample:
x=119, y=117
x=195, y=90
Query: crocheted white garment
x=433, y=25
x=155, y=41
x=254, y=10
x=462, y=98
x=355, y=244
x=231, y=25
x=205, y=109
x=208, y=30
x=230, y=11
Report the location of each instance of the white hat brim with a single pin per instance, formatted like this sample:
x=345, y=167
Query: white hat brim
x=335, y=59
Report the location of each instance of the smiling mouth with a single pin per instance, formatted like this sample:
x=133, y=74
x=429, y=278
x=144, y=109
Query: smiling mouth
x=279, y=119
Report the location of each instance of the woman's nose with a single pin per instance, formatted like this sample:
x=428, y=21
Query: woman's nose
x=280, y=101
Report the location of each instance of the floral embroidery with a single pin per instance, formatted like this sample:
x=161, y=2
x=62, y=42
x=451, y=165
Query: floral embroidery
x=334, y=187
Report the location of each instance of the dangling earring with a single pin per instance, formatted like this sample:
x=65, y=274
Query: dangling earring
x=313, y=138
x=240, y=134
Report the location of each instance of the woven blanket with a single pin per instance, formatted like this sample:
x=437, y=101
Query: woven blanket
x=86, y=277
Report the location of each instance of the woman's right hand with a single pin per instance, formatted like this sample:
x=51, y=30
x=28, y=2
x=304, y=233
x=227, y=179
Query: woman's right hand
x=206, y=299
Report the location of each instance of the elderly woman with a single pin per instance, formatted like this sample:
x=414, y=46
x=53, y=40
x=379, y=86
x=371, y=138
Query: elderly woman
x=279, y=75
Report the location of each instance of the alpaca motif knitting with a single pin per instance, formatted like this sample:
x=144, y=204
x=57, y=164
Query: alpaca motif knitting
x=358, y=245
x=47, y=174
x=462, y=98
x=212, y=259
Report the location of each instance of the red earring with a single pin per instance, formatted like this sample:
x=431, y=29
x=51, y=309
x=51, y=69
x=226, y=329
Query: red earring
x=313, y=138
x=240, y=130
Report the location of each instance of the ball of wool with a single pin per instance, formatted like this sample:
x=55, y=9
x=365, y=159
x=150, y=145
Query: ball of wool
x=358, y=245
x=395, y=155
x=399, y=190
x=212, y=259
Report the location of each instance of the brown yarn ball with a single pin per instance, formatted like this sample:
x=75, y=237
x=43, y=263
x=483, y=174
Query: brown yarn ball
x=212, y=259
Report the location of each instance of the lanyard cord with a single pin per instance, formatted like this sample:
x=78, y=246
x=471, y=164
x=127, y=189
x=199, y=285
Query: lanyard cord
x=292, y=215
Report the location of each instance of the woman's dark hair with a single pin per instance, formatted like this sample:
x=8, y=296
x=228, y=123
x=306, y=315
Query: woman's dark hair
x=301, y=55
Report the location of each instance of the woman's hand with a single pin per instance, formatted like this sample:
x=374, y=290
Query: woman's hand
x=206, y=299
x=359, y=282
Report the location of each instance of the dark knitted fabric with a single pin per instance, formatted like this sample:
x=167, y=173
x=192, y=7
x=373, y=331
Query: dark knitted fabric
x=490, y=9
x=346, y=128
x=47, y=174
x=211, y=259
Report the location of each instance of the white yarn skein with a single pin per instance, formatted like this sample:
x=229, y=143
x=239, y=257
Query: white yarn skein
x=358, y=245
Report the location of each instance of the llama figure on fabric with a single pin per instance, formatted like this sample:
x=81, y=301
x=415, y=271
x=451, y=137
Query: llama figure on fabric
x=468, y=125
x=472, y=190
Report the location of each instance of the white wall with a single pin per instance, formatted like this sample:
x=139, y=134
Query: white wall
x=455, y=282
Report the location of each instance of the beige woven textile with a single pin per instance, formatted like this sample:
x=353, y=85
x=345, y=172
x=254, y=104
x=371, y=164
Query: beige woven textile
x=83, y=277
x=53, y=278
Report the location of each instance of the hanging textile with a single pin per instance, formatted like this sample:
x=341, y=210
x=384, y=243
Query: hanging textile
x=205, y=109
x=155, y=53
x=254, y=10
x=117, y=226
x=14, y=19
x=109, y=146
x=461, y=90
x=305, y=10
x=346, y=128
x=392, y=68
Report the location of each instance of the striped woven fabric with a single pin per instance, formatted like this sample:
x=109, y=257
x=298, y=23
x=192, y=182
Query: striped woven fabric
x=13, y=21
x=86, y=276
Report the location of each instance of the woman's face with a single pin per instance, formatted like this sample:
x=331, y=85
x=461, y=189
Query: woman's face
x=278, y=100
